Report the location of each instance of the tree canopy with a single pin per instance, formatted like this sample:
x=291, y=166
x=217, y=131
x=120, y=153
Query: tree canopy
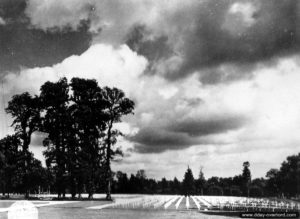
x=78, y=119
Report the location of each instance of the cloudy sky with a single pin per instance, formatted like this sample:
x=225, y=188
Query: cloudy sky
x=215, y=82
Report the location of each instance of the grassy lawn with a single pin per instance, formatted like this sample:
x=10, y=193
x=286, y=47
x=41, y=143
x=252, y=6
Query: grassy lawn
x=68, y=213
x=78, y=210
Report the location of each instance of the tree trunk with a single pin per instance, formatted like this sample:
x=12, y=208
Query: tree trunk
x=3, y=189
x=27, y=194
x=108, y=191
x=73, y=195
x=73, y=187
x=26, y=164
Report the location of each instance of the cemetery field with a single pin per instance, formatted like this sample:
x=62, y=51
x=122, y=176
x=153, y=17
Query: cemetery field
x=155, y=206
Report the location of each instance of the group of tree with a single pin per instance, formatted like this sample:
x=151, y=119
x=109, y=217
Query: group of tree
x=78, y=119
x=139, y=183
x=12, y=175
x=284, y=182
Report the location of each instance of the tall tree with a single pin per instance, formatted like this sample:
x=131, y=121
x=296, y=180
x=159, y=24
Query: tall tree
x=12, y=174
x=9, y=162
x=54, y=100
x=117, y=106
x=273, y=183
x=25, y=111
x=88, y=113
x=188, y=183
x=246, y=175
x=200, y=182
x=122, y=182
x=141, y=179
x=289, y=176
x=175, y=187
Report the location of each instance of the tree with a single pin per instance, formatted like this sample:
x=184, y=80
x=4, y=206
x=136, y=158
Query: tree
x=141, y=180
x=246, y=175
x=54, y=100
x=88, y=112
x=273, y=184
x=289, y=176
x=117, y=106
x=200, y=182
x=122, y=182
x=257, y=187
x=12, y=174
x=9, y=162
x=188, y=183
x=37, y=175
x=164, y=186
x=25, y=111
x=175, y=186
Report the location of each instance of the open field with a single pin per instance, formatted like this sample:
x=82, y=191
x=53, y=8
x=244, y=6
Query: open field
x=154, y=206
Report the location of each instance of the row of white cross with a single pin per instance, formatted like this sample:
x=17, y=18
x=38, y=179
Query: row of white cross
x=157, y=201
x=201, y=202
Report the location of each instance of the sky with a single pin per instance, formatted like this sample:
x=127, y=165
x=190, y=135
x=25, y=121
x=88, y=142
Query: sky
x=215, y=82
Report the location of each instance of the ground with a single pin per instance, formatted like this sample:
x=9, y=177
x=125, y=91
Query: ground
x=148, y=206
x=78, y=210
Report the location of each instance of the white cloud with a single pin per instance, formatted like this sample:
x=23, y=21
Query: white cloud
x=246, y=10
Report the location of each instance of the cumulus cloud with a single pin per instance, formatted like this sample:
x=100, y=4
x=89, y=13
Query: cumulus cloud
x=102, y=62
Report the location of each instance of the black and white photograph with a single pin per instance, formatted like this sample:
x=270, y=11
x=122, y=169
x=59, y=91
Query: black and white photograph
x=149, y=109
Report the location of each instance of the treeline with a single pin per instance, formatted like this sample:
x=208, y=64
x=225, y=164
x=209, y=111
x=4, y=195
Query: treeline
x=283, y=182
x=78, y=119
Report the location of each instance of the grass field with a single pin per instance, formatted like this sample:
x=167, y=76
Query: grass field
x=79, y=210
x=153, y=206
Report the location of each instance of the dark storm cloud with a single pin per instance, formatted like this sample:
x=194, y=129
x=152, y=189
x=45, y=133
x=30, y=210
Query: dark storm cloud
x=242, y=36
x=154, y=48
x=22, y=45
x=273, y=33
x=157, y=140
x=182, y=134
x=201, y=127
